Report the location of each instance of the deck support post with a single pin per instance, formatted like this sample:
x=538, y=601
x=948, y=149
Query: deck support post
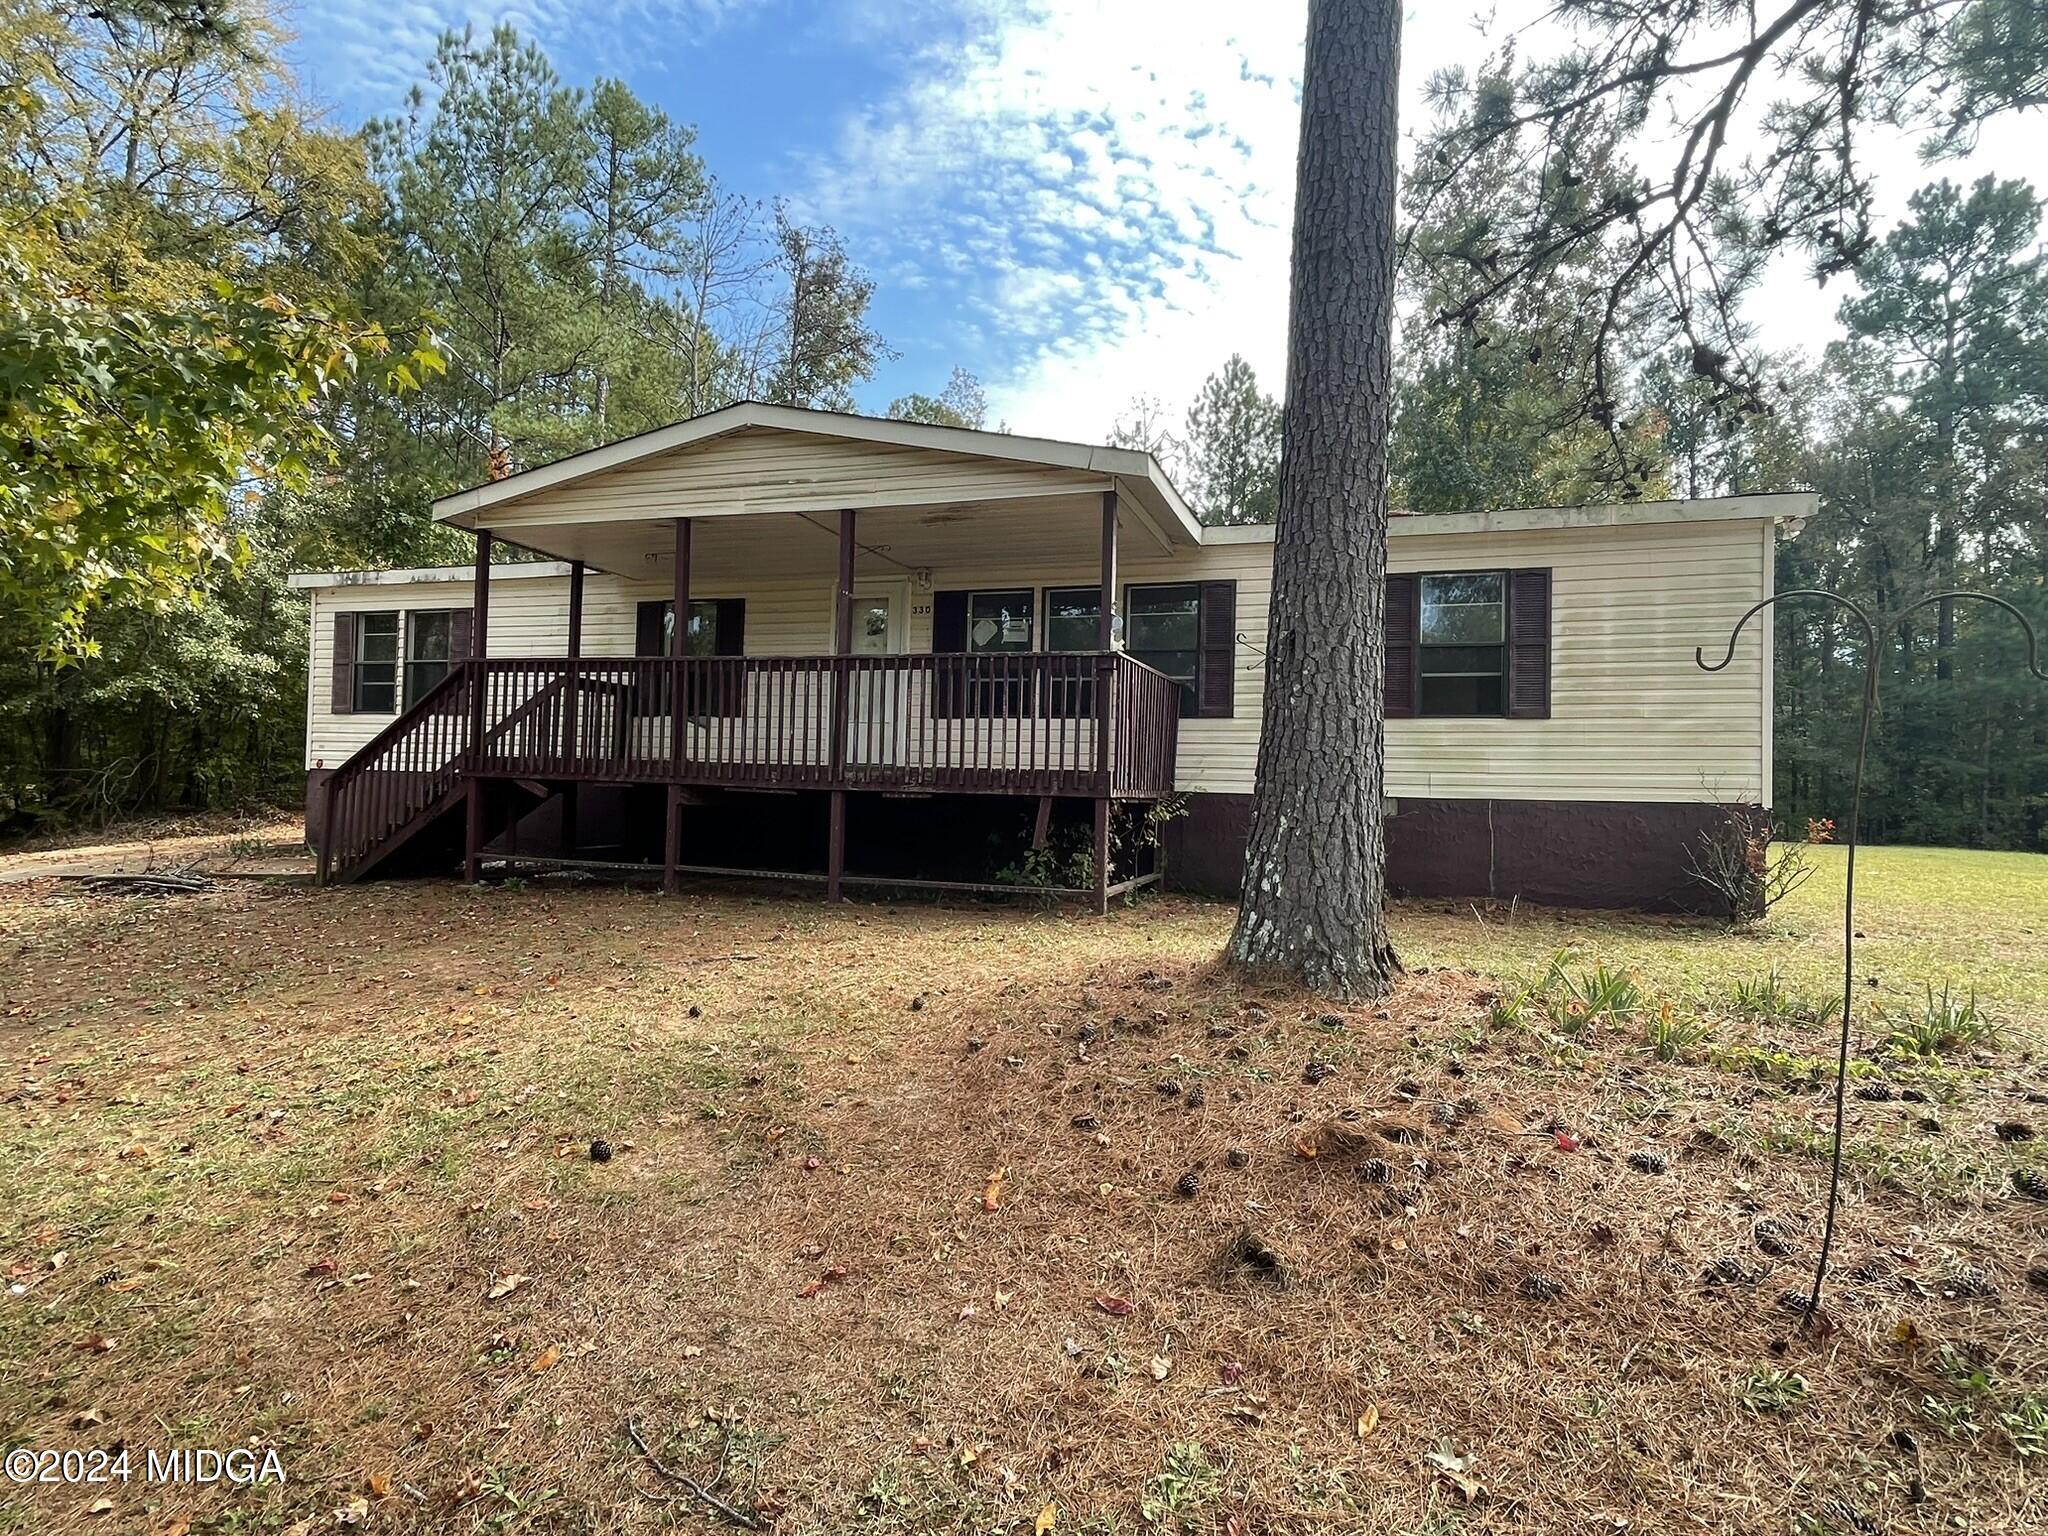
x=671, y=840
x=1101, y=856
x=1105, y=703
x=479, y=648
x=572, y=706
x=842, y=679
x=679, y=650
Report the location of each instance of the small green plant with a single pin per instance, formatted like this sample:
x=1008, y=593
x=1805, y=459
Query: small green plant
x=1943, y=1024
x=1671, y=1034
x=1761, y=997
x=1595, y=996
x=1765, y=1389
x=1955, y=1417
x=1187, y=1481
x=2026, y=1424
x=1963, y=1371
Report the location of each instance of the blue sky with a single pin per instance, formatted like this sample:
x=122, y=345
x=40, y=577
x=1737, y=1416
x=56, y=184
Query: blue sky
x=1081, y=201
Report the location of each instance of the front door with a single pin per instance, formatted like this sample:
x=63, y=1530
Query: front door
x=878, y=714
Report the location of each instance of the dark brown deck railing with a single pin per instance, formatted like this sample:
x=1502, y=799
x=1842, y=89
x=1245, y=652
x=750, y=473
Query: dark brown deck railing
x=1004, y=724
x=400, y=774
x=1083, y=723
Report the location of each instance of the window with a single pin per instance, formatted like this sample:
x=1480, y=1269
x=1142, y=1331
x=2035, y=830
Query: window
x=1164, y=630
x=429, y=647
x=375, y=671
x=1072, y=623
x=1463, y=649
x=1073, y=618
x=707, y=627
x=998, y=624
x=717, y=628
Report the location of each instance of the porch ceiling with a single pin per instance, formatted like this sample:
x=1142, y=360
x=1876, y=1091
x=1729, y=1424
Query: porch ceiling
x=1041, y=531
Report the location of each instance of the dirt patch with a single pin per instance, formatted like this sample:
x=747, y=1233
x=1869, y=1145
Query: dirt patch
x=928, y=1219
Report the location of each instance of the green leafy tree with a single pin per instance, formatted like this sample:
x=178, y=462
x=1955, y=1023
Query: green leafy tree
x=483, y=173
x=822, y=343
x=643, y=185
x=1931, y=452
x=960, y=404
x=1233, y=447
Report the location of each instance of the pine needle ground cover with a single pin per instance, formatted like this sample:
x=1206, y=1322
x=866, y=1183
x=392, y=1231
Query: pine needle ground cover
x=998, y=1218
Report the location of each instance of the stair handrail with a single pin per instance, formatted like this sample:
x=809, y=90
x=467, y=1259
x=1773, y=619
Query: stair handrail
x=358, y=762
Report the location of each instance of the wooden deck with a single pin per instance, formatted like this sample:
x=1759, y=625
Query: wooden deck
x=1093, y=724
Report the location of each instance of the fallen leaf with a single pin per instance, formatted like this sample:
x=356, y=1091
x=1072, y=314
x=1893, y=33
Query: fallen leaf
x=379, y=1484
x=101, y=1507
x=1048, y=1517
x=1457, y=1471
x=692, y=1351
x=87, y=1417
x=505, y=1285
x=1566, y=1142
x=992, y=1193
x=1369, y=1420
x=1115, y=1306
x=547, y=1359
x=1232, y=1372
x=1161, y=1367
x=1904, y=1332
x=811, y=1288
x=97, y=1343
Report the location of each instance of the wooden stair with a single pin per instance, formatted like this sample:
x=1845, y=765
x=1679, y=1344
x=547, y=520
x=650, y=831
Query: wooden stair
x=406, y=780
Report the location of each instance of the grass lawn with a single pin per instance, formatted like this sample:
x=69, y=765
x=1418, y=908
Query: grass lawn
x=1975, y=922
x=924, y=1219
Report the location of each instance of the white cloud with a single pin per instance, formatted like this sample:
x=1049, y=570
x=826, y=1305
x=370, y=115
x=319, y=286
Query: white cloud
x=374, y=49
x=1111, y=180
x=1148, y=150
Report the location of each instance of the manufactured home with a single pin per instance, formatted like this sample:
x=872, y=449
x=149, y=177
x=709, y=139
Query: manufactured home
x=785, y=643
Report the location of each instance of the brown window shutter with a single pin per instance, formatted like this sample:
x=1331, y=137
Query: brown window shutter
x=460, y=622
x=647, y=628
x=1529, y=644
x=341, y=685
x=1403, y=634
x=730, y=638
x=1216, y=666
x=949, y=622
x=949, y=638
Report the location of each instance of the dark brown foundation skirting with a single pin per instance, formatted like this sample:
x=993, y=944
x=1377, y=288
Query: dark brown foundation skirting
x=1564, y=853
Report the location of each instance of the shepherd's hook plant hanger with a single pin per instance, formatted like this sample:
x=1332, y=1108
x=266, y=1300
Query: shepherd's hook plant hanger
x=1871, y=628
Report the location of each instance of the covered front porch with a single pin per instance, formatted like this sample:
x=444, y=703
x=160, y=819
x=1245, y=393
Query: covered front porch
x=907, y=697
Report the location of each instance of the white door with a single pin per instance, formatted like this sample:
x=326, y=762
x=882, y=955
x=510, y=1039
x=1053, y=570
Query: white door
x=878, y=713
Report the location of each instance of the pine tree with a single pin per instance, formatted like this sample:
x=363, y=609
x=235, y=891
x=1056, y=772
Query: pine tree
x=1233, y=447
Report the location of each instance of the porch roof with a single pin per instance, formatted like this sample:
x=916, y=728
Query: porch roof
x=928, y=495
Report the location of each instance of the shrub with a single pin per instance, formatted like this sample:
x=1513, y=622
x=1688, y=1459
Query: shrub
x=1735, y=861
x=1943, y=1024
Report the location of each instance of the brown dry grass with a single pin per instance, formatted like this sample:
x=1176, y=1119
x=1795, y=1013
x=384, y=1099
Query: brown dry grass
x=298, y=1135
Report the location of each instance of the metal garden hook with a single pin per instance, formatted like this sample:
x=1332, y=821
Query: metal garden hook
x=1870, y=634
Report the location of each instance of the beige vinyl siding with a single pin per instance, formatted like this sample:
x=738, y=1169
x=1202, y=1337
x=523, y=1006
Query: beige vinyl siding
x=1632, y=718
x=763, y=470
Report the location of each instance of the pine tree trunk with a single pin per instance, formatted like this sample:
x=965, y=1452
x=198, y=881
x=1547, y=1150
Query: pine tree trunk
x=1315, y=867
